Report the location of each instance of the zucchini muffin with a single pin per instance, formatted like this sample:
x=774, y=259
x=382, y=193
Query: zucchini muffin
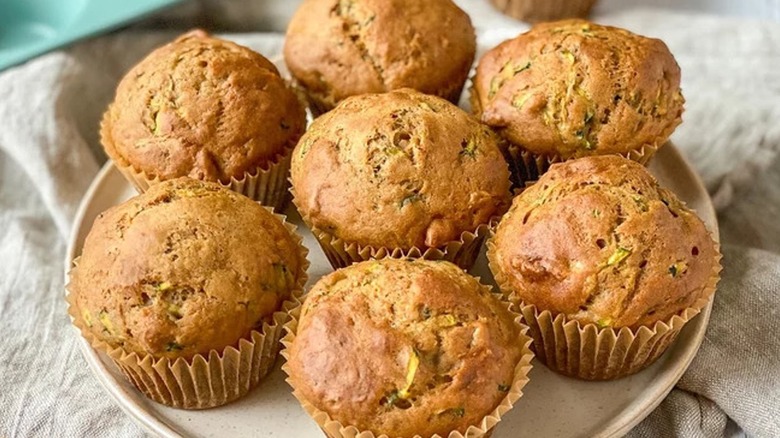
x=544, y=10
x=406, y=348
x=340, y=48
x=399, y=172
x=572, y=88
x=208, y=109
x=187, y=271
x=598, y=242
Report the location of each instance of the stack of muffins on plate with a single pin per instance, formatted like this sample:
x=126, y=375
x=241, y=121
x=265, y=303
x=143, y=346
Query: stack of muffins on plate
x=188, y=285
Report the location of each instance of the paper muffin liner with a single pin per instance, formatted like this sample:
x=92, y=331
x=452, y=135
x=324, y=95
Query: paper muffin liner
x=462, y=252
x=319, y=106
x=483, y=429
x=590, y=352
x=544, y=10
x=206, y=380
x=528, y=167
x=268, y=183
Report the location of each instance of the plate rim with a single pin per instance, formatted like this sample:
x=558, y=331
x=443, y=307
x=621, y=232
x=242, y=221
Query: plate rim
x=148, y=422
x=660, y=395
x=156, y=426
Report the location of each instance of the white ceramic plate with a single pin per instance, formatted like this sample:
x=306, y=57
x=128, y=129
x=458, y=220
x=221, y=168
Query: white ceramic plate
x=553, y=405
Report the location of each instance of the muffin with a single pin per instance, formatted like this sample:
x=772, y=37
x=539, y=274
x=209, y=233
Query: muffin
x=208, y=109
x=405, y=348
x=544, y=10
x=340, y=48
x=399, y=173
x=597, y=251
x=186, y=287
x=572, y=88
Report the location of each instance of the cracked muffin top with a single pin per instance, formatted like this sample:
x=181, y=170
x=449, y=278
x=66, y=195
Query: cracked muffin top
x=182, y=269
x=340, y=48
x=204, y=108
x=574, y=88
x=399, y=170
x=404, y=348
x=598, y=240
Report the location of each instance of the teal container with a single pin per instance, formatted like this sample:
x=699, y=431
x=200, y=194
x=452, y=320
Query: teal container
x=31, y=27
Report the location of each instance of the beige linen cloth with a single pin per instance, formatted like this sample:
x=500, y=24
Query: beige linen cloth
x=49, y=153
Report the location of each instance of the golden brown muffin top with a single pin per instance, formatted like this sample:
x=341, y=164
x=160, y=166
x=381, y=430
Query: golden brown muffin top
x=201, y=107
x=398, y=170
x=404, y=347
x=182, y=269
x=341, y=48
x=573, y=88
x=599, y=241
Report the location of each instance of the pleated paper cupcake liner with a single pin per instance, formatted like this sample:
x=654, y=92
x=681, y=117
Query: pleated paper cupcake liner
x=590, y=352
x=267, y=183
x=319, y=105
x=527, y=167
x=462, y=252
x=212, y=379
x=544, y=10
x=483, y=429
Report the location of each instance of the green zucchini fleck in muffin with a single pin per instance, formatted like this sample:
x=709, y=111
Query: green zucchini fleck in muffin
x=399, y=172
x=406, y=348
x=573, y=88
x=597, y=241
x=186, y=269
x=209, y=109
x=341, y=48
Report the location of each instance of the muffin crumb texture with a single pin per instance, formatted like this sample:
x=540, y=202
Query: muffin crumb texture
x=598, y=240
x=204, y=108
x=573, y=88
x=404, y=348
x=183, y=269
x=399, y=170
